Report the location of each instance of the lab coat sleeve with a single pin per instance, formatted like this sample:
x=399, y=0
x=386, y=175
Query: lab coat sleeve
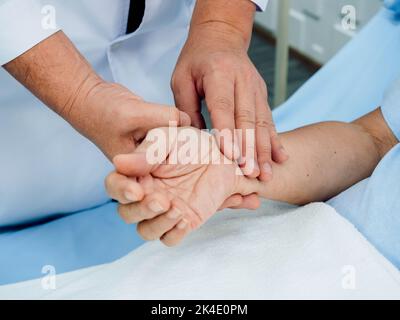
x=23, y=24
x=261, y=4
x=391, y=108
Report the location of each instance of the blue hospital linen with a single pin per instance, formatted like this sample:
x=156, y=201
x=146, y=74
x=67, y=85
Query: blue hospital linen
x=393, y=5
x=373, y=205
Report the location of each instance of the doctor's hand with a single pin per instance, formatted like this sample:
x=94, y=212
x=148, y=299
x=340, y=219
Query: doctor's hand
x=178, y=189
x=116, y=120
x=108, y=114
x=214, y=65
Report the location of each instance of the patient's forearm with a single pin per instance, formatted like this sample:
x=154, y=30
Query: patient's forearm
x=327, y=158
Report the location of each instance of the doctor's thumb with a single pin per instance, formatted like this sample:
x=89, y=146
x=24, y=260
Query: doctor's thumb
x=160, y=116
x=185, y=120
x=133, y=165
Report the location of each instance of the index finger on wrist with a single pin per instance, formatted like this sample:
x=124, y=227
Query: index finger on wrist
x=220, y=98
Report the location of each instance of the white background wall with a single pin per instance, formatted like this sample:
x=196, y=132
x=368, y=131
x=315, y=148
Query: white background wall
x=316, y=25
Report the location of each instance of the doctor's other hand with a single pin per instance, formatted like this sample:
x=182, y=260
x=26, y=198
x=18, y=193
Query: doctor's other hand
x=183, y=187
x=115, y=119
x=106, y=113
x=214, y=65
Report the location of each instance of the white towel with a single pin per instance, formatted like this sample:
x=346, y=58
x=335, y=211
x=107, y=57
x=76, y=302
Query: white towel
x=279, y=252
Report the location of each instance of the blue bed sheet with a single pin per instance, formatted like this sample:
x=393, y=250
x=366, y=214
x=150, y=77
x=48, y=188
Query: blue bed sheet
x=353, y=82
x=350, y=85
x=373, y=206
x=69, y=243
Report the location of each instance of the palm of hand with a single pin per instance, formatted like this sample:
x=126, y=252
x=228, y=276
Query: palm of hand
x=197, y=189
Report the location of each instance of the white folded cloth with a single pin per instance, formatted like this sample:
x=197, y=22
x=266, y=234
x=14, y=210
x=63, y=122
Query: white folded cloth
x=278, y=252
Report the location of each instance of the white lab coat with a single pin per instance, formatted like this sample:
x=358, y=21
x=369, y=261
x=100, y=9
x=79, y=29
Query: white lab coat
x=45, y=166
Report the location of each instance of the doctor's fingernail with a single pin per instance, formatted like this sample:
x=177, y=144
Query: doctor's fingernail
x=267, y=168
x=156, y=207
x=251, y=167
x=236, y=151
x=256, y=166
x=182, y=225
x=174, y=214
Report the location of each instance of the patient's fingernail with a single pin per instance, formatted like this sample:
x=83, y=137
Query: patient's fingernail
x=267, y=168
x=130, y=196
x=174, y=214
x=156, y=207
x=182, y=225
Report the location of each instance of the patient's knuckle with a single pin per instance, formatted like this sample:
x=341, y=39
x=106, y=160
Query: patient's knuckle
x=123, y=213
x=167, y=242
x=111, y=183
x=142, y=230
x=129, y=212
x=170, y=241
x=108, y=185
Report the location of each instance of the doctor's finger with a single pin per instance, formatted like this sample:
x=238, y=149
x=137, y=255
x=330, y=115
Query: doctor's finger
x=277, y=150
x=245, y=119
x=188, y=101
x=263, y=138
x=279, y=153
x=123, y=189
x=150, y=207
x=155, y=228
x=219, y=93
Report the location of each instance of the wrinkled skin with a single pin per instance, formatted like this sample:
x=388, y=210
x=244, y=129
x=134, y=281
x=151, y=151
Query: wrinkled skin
x=181, y=190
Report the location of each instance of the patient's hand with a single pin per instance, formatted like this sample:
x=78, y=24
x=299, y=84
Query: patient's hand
x=186, y=184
